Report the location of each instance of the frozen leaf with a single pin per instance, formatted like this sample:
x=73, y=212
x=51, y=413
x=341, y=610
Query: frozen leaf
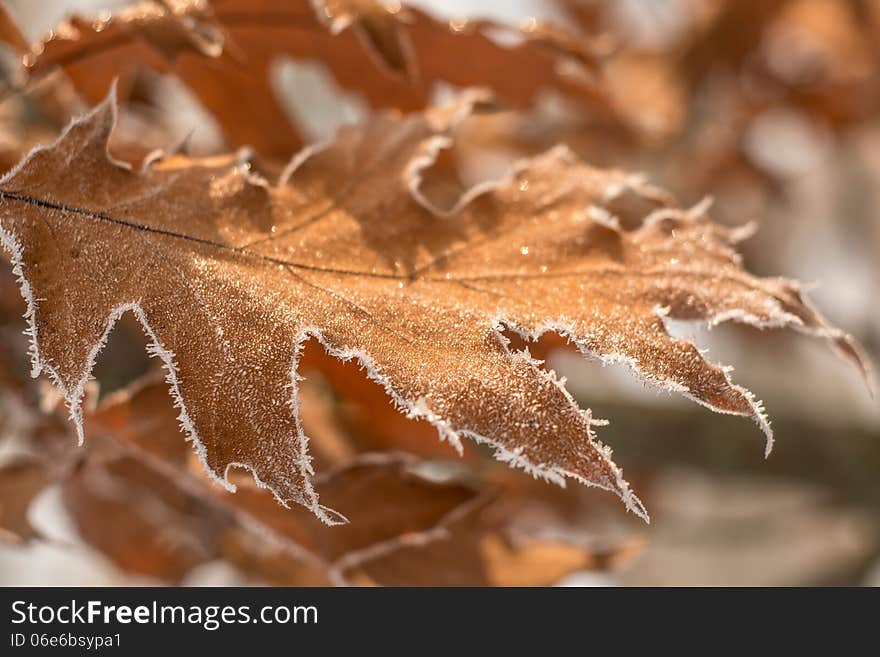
x=392, y=55
x=230, y=274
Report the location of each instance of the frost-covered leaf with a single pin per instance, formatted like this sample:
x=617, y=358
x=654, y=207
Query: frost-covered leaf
x=392, y=55
x=230, y=275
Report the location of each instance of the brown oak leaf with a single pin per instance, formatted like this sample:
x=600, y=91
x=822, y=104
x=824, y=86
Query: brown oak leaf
x=230, y=274
x=20, y=483
x=153, y=519
x=133, y=495
x=470, y=550
x=9, y=32
x=393, y=55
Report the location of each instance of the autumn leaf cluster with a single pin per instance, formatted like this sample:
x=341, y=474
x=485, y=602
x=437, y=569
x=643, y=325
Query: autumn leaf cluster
x=325, y=312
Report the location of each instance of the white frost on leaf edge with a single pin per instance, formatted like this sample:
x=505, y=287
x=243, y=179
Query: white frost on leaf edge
x=420, y=409
x=565, y=329
x=73, y=397
x=555, y=474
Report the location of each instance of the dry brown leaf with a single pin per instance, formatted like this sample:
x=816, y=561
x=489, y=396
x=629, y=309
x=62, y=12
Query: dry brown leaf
x=475, y=548
x=9, y=32
x=20, y=483
x=159, y=521
x=818, y=55
x=230, y=275
x=135, y=518
x=135, y=498
x=34, y=446
x=415, y=530
x=730, y=39
x=382, y=495
x=392, y=55
x=22, y=479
